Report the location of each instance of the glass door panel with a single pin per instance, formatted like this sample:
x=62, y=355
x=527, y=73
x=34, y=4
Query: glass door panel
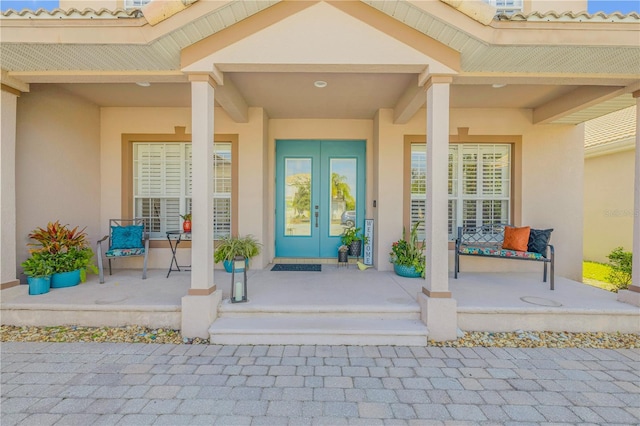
x=298, y=196
x=343, y=184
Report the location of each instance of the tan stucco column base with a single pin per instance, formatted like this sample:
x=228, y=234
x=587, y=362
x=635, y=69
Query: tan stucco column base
x=631, y=296
x=9, y=284
x=440, y=315
x=198, y=313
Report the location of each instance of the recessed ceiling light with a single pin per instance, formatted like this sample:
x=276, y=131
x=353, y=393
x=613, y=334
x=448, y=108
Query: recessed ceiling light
x=320, y=84
x=143, y=84
x=498, y=85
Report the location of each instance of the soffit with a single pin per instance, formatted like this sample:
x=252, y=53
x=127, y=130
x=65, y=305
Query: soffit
x=479, y=55
x=93, y=54
x=595, y=111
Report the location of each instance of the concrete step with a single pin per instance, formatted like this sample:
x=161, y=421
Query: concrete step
x=248, y=310
x=314, y=330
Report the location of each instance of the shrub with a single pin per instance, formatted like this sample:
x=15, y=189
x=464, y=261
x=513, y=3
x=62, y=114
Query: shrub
x=621, y=262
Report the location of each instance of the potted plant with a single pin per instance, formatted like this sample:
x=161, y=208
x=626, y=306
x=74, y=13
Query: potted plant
x=343, y=256
x=353, y=238
x=69, y=251
x=71, y=267
x=407, y=256
x=230, y=247
x=38, y=269
x=186, y=222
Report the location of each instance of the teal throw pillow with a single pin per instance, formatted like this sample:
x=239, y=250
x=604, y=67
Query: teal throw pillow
x=126, y=237
x=538, y=241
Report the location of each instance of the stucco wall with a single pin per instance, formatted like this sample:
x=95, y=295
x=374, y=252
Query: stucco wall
x=116, y=121
x=57, y=163
x=608, y=204
x=551, y=176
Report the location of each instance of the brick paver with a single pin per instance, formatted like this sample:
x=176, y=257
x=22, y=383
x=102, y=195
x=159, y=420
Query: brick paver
x=107, y=383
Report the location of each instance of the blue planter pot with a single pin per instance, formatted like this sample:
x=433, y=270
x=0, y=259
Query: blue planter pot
x=39, y=285
x=228, y=265
x=65, y=279
x=406, y=271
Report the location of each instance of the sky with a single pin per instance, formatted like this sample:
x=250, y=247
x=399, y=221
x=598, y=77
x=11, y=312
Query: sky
x=608, y=6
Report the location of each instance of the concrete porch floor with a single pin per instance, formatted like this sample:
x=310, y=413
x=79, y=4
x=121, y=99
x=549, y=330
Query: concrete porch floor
x=486, y=301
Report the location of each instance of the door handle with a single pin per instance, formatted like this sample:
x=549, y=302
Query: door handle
x=316, y=214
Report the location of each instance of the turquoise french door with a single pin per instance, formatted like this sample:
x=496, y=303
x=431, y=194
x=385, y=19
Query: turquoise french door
x=320, y=190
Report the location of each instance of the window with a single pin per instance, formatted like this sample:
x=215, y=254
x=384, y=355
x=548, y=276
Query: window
x=162, y=185
x=479, y=185
x=507, y=7
x=135, y=4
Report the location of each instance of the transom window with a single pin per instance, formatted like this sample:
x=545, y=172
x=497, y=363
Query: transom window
x=162, y=175
x=479, y=185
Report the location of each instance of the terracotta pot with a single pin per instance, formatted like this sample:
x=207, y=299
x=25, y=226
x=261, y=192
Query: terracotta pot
x=186, y=226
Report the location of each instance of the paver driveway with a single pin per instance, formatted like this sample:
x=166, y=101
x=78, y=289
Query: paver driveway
x=113, y=383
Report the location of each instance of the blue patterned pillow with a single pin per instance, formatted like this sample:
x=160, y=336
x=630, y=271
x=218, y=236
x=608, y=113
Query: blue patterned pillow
x=126, y=237
x=538, y=241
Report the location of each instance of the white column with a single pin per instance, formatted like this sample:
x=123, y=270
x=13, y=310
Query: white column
x=199, y=306
x=436, y=216
x=8, y=115
x=438, y=309
x=633, y=294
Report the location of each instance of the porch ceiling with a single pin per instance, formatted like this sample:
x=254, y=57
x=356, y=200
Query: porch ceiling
x=540, y=74
x=293, y=95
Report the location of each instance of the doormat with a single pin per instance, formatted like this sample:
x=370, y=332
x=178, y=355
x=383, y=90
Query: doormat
x=298, y=267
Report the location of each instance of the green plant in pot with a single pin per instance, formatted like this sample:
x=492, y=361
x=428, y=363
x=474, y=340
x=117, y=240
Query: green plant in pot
x=38, y=268
x=69, y=251
x=407, y=255
x=353, y=238
x=230, y=247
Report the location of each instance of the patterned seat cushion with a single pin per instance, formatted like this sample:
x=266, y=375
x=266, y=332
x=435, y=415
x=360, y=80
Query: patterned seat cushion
x=499, y=252
x=125, y=252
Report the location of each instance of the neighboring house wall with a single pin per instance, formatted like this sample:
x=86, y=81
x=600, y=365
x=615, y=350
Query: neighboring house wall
x=557, y=5
x=93, y=4
x=608, y=199
x=57, y=163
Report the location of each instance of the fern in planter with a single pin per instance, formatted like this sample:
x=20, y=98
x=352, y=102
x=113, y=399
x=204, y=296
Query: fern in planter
x=230, y=247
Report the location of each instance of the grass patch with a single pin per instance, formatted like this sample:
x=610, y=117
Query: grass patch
x=597, y=275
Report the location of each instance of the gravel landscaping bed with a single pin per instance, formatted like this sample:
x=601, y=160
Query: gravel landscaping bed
x=135, y=334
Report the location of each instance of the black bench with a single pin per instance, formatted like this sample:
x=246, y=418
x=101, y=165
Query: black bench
x=486, y=241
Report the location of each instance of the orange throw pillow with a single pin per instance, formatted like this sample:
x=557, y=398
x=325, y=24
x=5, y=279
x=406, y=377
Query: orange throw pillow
x=516, y=238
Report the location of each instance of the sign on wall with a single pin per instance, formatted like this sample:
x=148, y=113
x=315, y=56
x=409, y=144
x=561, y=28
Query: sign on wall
x=368, y=247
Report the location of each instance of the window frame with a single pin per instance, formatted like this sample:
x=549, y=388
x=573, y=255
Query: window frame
x=463, y=137
x=127, y=196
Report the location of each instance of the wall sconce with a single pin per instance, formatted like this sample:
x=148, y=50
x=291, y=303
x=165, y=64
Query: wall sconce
x=239, y=287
